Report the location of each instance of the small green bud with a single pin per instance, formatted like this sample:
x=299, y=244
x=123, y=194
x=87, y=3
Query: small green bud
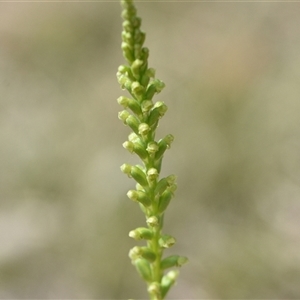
x=152, y=174
x=156, y=86
x=161, y=186
x=139, y=196
x=132, y=137
x=157, y=164
x=137, y=21
x=126, y=169
x=164, y=200
x=131, y=103
x=127, y=26
x=139, y=176
x=133, y=123
x=152, y=221
x=135, y=68
x=146, y=105
x=143, y=129
x=151, y=72
x=125, y=14
x=123, y=115
x=152, y=147
x=140, y=150
x=144, y=54
x=166, y=241
x=156, y=113
x=167, y=281
x=127, y=51
x=142, y=252
x=163, y=145
x=124, y=81
x=144, y=80
x=140, y=37
x=164, y=183
x=141, y=233
x=159, y=85
x=137, y=89
x=151, y=90
x=128, y=146
x=173, y=261
x=144, y=269
x=154, y=290
x=124, y=70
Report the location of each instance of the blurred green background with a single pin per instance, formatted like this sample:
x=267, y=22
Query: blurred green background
x=232, y=74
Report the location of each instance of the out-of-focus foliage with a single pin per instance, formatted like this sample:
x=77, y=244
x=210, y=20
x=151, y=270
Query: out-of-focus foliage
x=232, y=76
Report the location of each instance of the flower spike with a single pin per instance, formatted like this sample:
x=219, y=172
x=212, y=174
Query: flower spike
x=153, y=194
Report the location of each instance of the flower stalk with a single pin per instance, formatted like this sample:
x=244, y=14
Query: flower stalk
x=154, y=194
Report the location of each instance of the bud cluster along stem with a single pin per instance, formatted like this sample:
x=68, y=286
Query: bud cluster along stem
x=153, y=194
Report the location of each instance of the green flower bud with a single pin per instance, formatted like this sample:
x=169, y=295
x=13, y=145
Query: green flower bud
x=144, y=269
x=143, y=129
x=125, y=14
x=148, y=254
x=124, y=70
x=135, y=68
x=144, y=54
x=126, y=169
x=159, y=85
x=152, y=147
x=139, y=176
x=124, y=81
x=161, y=186
x=164, y=200
x=132, y=137
x=167, y=281
x=133, y=123
x=152, y=174
x=142, y=252
x=128, y=146
x=156, y=86
x=140, y=37
x=127, y=51
x=144, y=79
x=140, y=150
x=151, y=72
x=157, y=164
x=156, y=113
x=154, y=290
x=151, y=90
x=123, y=115
x=127, y=26
x=164, y=183
x=131, y=103
x=139, y=196
x=173, y=261
x=166, y=241
x=137, y=89
x=141, y=233
x=137, y=21
x=163, y=145
x=152, y=221
x=146, y=105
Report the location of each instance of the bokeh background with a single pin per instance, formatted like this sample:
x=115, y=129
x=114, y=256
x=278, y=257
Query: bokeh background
x=232, y=73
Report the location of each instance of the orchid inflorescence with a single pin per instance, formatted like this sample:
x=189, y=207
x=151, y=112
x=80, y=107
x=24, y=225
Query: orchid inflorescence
x=152, y=194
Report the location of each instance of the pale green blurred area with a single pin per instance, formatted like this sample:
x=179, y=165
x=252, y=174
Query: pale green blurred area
x=232, y=73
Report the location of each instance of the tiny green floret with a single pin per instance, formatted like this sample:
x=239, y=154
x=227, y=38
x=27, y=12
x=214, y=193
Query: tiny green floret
x=153, y=194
